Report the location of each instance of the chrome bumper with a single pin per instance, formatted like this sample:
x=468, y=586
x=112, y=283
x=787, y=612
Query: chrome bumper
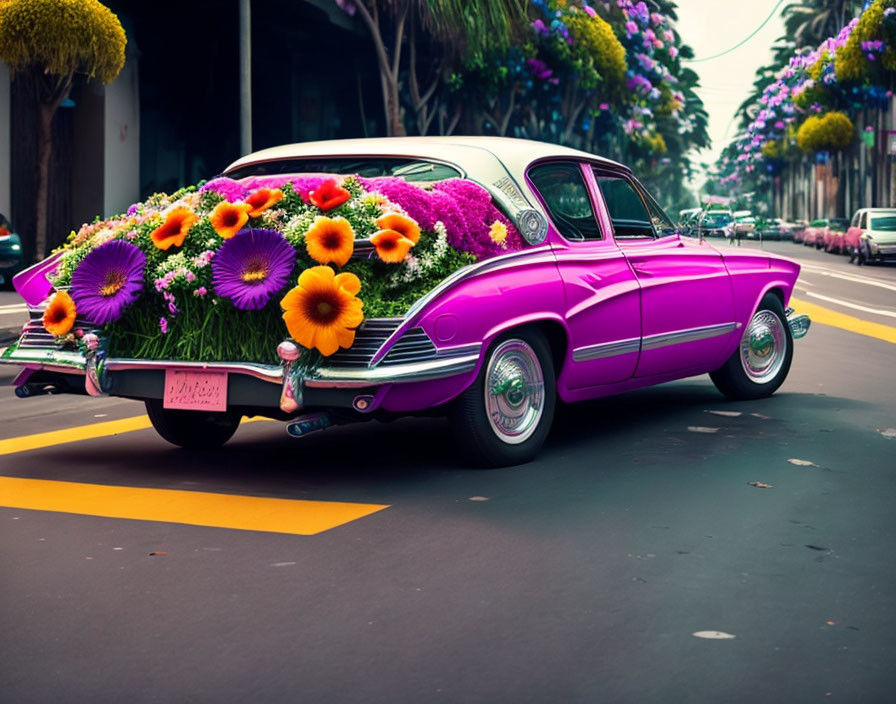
x=292, y=377
x=799, y=324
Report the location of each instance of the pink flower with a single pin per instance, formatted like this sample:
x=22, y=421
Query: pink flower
x=163, y=325
x=200, y=292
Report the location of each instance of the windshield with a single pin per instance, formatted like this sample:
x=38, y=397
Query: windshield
x=368, y=167
x=887, y=224
x=716, y=219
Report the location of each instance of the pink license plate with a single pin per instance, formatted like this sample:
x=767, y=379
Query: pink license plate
x=195, y=390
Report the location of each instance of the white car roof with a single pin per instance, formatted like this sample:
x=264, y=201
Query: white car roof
x=465, y=152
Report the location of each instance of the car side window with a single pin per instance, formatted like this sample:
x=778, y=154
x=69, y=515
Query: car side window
x=863, y=222
x=563, y=189
x=627, y=211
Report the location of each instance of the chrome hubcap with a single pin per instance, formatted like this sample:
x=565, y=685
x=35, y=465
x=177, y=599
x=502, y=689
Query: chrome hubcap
x=514, y=391
x=763, y=347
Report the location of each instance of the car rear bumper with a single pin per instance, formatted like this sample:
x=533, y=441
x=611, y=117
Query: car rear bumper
x=285, y=388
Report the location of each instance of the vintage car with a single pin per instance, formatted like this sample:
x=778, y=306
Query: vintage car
x=813, y=235
x=744, y=225
x=871, y=236
x=715, y=223
x=581, y=287
x=833, y=234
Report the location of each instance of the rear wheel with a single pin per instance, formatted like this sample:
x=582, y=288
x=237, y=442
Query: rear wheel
x=761, y=362
x=192, y=430
x=504, y=418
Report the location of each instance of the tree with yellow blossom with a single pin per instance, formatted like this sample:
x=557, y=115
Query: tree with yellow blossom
x=46, y=43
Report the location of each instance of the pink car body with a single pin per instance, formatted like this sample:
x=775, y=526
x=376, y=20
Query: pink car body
x=834, y=234
x=619, y=312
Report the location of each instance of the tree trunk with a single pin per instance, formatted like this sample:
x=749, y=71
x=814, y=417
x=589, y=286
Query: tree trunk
x=44, y=150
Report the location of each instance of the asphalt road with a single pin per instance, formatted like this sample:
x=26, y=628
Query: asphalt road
x=581, y=577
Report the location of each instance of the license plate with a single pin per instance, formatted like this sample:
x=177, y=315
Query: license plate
x=195, y=390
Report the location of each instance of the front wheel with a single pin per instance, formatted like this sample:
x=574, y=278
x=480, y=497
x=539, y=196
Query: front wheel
x=761, y=362
x=504, y=418
x=192, y=430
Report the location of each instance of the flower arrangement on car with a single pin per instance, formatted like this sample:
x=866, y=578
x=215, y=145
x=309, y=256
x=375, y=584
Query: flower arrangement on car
x=225, y=270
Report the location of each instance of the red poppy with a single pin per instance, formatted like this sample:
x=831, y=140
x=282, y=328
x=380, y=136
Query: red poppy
x=328, y=195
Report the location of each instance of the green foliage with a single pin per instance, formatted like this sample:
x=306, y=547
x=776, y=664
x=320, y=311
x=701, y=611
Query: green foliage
x=60, y=37
x=596, y=50
x=829, y=132
x=850, y=62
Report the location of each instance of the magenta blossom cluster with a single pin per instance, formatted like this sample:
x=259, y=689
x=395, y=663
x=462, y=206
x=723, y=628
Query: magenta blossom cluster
x=464, y=207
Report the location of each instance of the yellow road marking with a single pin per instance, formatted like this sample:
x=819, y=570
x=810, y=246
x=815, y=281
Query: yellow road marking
x=826, y=316
x=81, y=432
x=294, y=516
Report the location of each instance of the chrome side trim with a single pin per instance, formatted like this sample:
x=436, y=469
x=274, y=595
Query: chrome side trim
x=436, y=368
x=678, y=337
x=606, y=349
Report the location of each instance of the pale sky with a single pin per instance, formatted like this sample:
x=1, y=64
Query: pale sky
x=712, y=26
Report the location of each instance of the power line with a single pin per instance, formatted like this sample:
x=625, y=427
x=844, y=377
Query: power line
x=740, y=43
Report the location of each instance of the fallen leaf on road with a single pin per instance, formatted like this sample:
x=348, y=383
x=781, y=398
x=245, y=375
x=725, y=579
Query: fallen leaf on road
x=759, y=415
x=802, y=463
x=832, y=623
x=887, y=432
x=817, y=547
x=761, y=485
x=478, y=498
x=158, y=552
x=717, y=635
x=727, y=414
x=702, y=429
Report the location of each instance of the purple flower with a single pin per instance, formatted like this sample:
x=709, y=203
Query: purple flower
x=540, y=27
x=251, y=267
x=108, y=280
x=631, y=27
x=163, y=325
x=133, y=209
x=539, y=68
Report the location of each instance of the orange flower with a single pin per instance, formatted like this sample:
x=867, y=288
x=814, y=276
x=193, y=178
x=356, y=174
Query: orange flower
x=59, y=317
x=173, y=231
x=391, y=246
x=229, y=218
x=405, y=226
x=323, y=310
x=328, y=195
x=330, y=240
x=262, y=199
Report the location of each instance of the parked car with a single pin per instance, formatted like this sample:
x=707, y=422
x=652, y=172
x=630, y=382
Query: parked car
x=871, y=236
x=11, y=255
x=715, y=223
x=813, y=236
x=598, y=294
x=688, y=220
x=799, y=230
x=744, y=225
x=833, y=234
x=771, y=228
